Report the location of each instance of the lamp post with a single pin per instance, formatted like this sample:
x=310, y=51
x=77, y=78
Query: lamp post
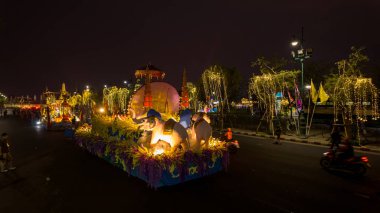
x=300, y=54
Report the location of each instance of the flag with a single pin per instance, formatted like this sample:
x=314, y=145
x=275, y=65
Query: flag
x=323, y=96
x=313, y=93
x=298, y=97
x=290, y=98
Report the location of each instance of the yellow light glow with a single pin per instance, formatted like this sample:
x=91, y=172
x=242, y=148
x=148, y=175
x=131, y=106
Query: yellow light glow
x=101, y=110
x=158, y=152
x=162, y=137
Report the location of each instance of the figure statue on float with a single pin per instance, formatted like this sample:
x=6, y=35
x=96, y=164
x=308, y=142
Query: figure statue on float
x=168, y=135
x=201, y=131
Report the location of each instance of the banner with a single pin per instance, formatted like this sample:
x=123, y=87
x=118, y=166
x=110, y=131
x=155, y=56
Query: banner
x=323, y=96
x=313, y=93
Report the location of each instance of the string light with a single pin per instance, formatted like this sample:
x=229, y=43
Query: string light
x=115, y=97
x=352, y=95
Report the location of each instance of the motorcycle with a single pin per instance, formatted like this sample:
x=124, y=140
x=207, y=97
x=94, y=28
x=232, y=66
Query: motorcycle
x=357, y=165
x=232, y=145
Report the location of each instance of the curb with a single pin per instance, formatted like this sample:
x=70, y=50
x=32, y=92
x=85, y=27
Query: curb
x=303, y=141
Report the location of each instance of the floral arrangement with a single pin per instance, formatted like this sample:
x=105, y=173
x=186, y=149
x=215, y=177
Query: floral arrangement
x=284, y=102
x=139, y=161
x=114, y=128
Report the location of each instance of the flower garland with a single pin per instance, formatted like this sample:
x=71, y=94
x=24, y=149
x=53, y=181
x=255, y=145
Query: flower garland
x=132, y=158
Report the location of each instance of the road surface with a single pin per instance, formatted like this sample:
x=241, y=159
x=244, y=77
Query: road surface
x=53, y=175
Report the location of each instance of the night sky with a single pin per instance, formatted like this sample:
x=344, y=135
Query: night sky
x=44, y=43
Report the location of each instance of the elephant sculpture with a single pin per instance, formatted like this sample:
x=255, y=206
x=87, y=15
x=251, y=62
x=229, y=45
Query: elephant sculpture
x=201, y=131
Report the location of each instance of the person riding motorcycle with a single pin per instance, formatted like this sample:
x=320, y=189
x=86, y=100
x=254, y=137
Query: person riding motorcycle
x=346, y=150
x=336, y=138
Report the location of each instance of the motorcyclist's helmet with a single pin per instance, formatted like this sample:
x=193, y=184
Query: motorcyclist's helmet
x=346, y=141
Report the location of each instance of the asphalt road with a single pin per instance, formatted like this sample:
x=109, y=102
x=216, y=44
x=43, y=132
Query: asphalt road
x=53, y=175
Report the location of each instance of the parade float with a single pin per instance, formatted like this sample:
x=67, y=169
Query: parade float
x=57, y=112
x=153, y=140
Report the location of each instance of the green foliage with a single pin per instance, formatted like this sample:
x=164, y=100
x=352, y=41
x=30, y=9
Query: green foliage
x=193, y=95
x=201, y=95
x=2, y=100
x=269, y=66
x=101, y=125
x=233, y=83
x=353, y=95
x=214, y=84
x=116, y=98
x=266, y=85
x=330, y=82
x=232, y=78
x=318, y=71
x=353, y=65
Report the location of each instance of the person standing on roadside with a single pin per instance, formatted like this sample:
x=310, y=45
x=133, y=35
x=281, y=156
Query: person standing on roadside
x=2, y=162
x=5, y=153
x=277, y=132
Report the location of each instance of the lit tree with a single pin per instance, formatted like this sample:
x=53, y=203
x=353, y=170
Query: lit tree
x=115, y=99
x=354, y=97
x=266, y=85
x=233, y=83
x=215, y=87
x=193, y=96
x=3, y=98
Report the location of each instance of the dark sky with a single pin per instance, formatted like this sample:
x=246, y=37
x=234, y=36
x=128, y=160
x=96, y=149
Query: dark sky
x=44, y=43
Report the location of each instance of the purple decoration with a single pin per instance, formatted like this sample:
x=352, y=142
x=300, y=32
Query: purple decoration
x=150, y=168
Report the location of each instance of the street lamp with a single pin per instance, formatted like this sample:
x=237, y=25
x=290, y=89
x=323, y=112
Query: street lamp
x=300, y=54
x=125, y=83
x=294, y=43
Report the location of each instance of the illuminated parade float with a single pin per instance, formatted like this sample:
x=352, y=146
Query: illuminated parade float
x=62, y=110
x=56, y=114
x=147, y=132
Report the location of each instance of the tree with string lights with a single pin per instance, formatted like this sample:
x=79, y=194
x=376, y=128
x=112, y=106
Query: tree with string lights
x=354, y=96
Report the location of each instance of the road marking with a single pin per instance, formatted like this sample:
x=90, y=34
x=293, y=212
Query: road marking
x=363, y=195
